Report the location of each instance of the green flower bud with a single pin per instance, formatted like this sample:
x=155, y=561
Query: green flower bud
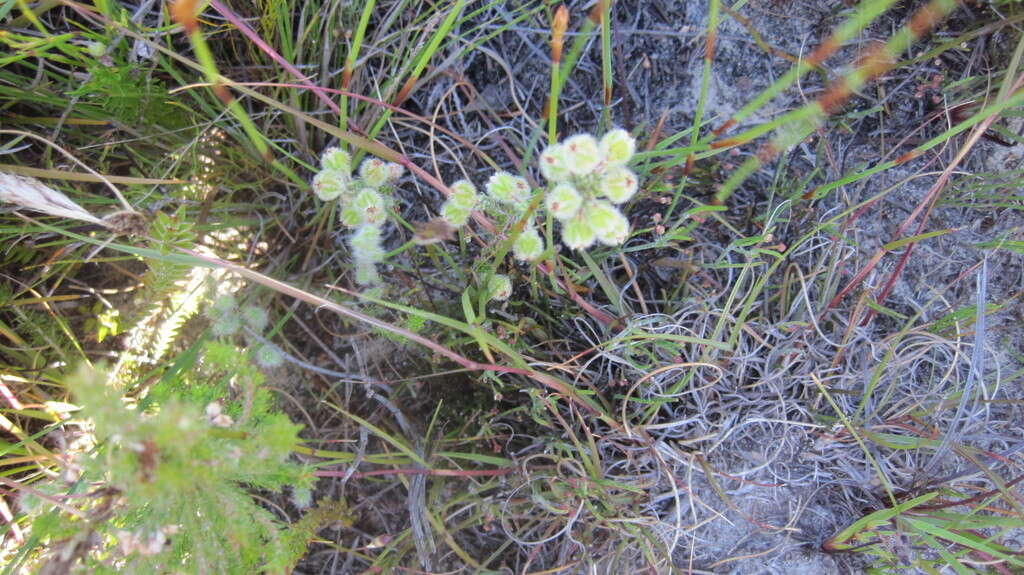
x=584, y=154
x=337, y=160
x=608, y=224
x=367, y=243
x=499, y=287
x=554, y=163
x=456, y=214
x=375, y=172
x=577, y=233
x=329, y=185
x=618, y=184
x=617, y=147
x=508, y=189
x=528, y=246
x=255, y=317
x=464, y=195
x=563, y=201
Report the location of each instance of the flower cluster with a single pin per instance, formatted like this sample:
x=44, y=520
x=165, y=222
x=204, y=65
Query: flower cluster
x=588, y=179
x=506, y=194
x=364, y=204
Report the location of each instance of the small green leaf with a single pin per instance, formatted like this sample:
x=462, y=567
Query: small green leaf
x=467, y=308
x=914, y=239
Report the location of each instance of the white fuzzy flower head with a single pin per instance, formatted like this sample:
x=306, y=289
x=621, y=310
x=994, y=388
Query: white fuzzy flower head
x=329, y=185
x=223, y=314
x=455, y=213
x=584, y=154
x=508, y=189
x=371, y=205
x=225, y=325
x=563, y=201
x=528, y=246
x=464, y=194
x=366, y=273
x=223, y=304
x=367, y=243
x=610, y=227
x=554, y=163
x=459, y=206
x=577, y=233
x=499, y=287
x=336, y=159
x=617, y=147
x=618, y=184
x=395, y=172
x=269, y=356
x=255, y=317
x=374, y=172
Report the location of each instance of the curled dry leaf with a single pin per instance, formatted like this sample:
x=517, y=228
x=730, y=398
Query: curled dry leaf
x=435, y=231
x=31, y=194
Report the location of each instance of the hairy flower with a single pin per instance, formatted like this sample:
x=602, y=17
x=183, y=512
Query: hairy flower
x=584, y=154
x=336, y=159
x=255, y=317
x=464, y=194
x=499, y=287
x=455, y=214
x=269, y=356
x=395, y=172
x=459, y=206
x=528, y=246
x=554, y=163
x=563, y=201
x=367, y=243
x=617, y=147
x=508, y=189
x=618, y=184
x=225, y=325
x=577, y=233
x=329, y=185
x=609, y=225
x=374, y=172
